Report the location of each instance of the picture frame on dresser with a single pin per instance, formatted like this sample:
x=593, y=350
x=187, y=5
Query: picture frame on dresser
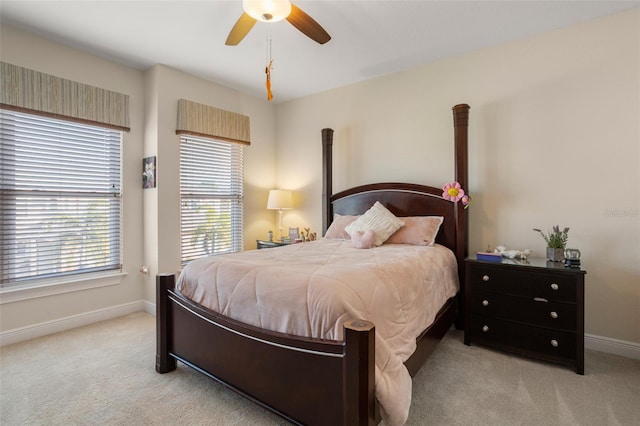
x=294, y=234
x=532, y=308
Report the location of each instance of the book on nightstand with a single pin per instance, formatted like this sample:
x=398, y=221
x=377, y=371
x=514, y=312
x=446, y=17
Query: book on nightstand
x=489, y=257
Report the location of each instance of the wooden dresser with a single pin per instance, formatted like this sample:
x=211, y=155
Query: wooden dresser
x=262, y=244
x=534, y=309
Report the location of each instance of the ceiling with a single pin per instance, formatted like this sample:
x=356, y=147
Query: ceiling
x=369, y=38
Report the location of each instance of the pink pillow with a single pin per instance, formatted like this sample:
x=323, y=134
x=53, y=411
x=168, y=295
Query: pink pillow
x=336, y=229
x=417, y=230
x=363, y=240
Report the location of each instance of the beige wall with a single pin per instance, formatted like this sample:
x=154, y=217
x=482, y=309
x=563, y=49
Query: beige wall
x=33, y=52
x=151, y=217
x=164, y=86
x=554, y=139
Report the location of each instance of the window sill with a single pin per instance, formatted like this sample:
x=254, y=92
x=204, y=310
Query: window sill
x=51, y=287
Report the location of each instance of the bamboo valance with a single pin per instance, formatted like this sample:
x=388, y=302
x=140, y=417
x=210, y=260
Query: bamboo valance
x=26, y=90
x=207, y=121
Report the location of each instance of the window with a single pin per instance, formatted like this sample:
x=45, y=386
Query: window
x=211, y=197
x=60, y=198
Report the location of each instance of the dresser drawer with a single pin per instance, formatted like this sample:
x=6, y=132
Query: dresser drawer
x=553, y=287
x=521, y=338
x=560, y=316
x=548, y=286
x=497, y=280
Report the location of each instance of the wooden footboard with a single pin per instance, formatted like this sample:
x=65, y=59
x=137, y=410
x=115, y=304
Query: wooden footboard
x=306, y=381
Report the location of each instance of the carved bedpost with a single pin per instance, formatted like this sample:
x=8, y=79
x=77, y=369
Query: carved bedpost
x=164, y=362
x=461, y=126
x=461, y=130
x=360, y=361
x=327, y=174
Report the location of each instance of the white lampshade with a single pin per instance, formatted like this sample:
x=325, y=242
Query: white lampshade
x=279, y=199
x=267, y=10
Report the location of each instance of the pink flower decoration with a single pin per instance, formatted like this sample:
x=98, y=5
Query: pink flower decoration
x=452, y=192
x=466, y=200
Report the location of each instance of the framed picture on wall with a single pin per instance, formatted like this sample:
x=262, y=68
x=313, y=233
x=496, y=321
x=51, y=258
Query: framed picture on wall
x=149, y=172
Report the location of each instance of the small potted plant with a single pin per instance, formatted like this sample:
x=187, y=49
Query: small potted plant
x=556, y=242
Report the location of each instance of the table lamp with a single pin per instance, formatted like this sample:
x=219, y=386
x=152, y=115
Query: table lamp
x=279, y=199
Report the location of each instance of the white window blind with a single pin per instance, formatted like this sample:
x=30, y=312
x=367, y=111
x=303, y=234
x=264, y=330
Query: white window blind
x=60, y=198
x=211, y=197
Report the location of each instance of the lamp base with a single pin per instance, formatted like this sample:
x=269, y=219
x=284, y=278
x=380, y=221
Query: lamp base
x=280, y=224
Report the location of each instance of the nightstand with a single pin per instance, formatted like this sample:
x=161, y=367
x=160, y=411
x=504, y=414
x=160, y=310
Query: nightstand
x=533, y=308
x=269, y=244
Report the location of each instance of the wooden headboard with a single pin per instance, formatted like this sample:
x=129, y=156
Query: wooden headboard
x=402, y=199
x=407, y=199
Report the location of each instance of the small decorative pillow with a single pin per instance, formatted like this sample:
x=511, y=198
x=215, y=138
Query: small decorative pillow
x=363, y=240
x=336, y=229
x=378, y=219
x=417, y=230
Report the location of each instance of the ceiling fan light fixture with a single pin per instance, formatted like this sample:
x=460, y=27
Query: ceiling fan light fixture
x=267, y=10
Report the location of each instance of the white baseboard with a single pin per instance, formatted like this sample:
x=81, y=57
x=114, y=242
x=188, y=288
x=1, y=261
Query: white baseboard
x=38, y=330
x=592, y=342
x=612, y=346
x=149, y=307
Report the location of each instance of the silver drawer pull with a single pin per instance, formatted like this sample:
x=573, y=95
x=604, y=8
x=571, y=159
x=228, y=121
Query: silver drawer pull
x=485, y=302
x=553, y=315
x=485, y=278
x=485, y=328
x=540, y=299
x=554, y=286
x=554, y=343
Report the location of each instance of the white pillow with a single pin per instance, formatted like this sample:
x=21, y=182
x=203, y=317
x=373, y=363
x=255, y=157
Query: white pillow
x=378, y=219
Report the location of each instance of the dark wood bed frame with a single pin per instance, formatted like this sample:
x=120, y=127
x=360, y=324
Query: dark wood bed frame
x=304, y=380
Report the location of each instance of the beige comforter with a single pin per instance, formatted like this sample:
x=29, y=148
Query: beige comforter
x=311, y=289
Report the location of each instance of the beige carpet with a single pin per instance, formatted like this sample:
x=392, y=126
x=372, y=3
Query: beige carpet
x=103, y=374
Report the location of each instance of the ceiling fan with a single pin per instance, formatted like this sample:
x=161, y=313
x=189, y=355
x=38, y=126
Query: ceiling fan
x=273, y=11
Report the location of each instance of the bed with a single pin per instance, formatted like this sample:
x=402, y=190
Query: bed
x=315, y=380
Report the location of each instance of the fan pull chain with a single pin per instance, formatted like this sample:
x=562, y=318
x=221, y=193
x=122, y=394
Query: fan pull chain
x=268, y=68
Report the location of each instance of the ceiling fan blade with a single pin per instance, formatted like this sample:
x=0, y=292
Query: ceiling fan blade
x=240, y=29
x=307, y=25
